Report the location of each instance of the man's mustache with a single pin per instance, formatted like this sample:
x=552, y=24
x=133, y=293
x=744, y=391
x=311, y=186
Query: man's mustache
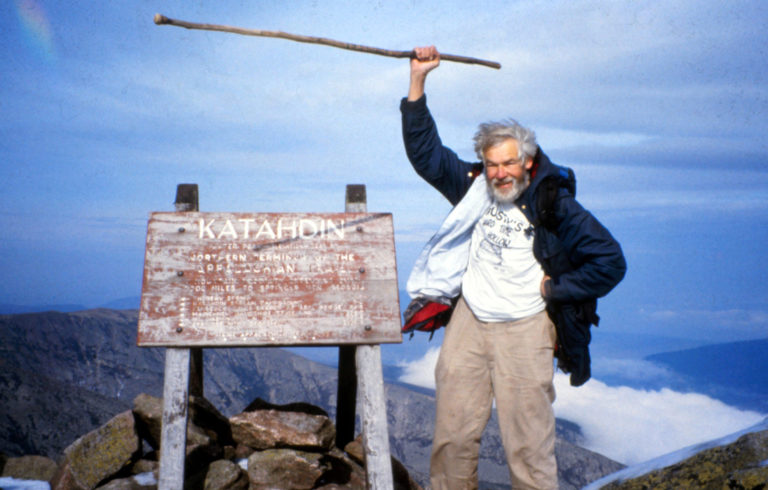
x=507, y=180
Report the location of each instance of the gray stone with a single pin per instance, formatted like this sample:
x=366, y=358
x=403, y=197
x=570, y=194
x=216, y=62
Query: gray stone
x=749, y=478
x=30, y=468
x=225, y=475
x=265, y=429
x=99, y=454
x=738, y=465
x=204, y=415
x=285, y=468
x=148, y=411
x=65, y=480
x=206, y=424
x=345, y=473
x=145, y=466
x=126, y=484
x=400, y=477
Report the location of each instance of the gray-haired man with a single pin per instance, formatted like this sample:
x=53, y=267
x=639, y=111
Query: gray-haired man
x=510, y=277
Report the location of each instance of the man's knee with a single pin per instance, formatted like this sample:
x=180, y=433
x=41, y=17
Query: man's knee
x=453, y=467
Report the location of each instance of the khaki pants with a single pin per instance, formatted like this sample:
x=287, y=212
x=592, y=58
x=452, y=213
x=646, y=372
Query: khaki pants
x=513, y=362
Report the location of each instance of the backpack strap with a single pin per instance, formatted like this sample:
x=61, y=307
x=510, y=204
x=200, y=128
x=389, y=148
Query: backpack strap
x=547, y=195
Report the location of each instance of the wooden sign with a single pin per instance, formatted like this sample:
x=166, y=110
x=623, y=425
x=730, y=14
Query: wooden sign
x=239, y=279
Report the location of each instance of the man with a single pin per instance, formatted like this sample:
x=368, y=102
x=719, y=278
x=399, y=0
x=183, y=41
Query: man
x=511, y=269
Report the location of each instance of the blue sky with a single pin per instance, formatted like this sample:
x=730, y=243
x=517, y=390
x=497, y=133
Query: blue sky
x=659, y=107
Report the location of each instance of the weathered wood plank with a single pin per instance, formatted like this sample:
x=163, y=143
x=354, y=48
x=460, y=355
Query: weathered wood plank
x=238, y=279
x=175, y=414
x=373, y=405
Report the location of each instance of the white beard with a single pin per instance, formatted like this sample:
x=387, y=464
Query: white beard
x=505, y=196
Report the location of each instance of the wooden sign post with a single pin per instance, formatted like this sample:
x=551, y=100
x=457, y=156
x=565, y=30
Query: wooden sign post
x=259, y=279
x=187, y=200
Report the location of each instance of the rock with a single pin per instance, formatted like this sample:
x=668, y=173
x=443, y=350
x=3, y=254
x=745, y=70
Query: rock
x=401, y=478
x=225, y=475
x=354, y=450
x=204, y=415
x=344, y=473
x=242, y=452
x=65, y=479
x=206, y=425
x=286, y=468
x=740, y=465
x=99, y=454
x=749, y=479
x=145, y=466
x=127, y=484
x=264, y=429
x=295, y=442
x=199, y=457
x=148, y=411
x=30, y=468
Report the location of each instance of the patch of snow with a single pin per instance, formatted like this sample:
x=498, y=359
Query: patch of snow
x=145, y=479
x=674, y=457
x=8, y=483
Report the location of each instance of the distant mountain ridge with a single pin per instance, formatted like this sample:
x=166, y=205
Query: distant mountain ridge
x=735, y=373
x=13, y=309
x=65, y=373
x=128, y=303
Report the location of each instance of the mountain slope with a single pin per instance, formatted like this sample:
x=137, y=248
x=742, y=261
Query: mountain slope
x=66, y=373
x=38, y=414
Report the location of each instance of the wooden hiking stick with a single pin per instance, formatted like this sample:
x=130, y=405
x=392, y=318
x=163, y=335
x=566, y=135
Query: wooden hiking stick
x=161, y=19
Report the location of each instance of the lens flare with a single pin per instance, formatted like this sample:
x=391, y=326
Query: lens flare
x=36, y=28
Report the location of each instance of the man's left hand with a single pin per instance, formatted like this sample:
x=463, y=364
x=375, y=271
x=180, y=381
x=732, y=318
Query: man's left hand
x=545, y=287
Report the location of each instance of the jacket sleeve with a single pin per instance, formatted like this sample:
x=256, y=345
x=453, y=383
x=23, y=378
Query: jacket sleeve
x=435, y=163
x=597, y=262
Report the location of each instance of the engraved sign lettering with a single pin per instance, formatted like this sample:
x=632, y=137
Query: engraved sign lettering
x=238, y=279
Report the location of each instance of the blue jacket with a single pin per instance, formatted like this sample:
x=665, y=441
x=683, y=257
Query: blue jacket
x=584, y=261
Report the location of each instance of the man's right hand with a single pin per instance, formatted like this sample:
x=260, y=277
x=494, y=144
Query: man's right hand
x=426, y=59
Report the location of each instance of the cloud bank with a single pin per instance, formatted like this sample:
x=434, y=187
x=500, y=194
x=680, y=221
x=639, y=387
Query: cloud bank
x=623, y=423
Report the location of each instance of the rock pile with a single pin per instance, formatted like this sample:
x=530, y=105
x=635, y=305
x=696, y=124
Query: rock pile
x=740, y=465
x=265, y=447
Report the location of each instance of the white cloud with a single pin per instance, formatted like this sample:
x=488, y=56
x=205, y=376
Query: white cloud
x=726, y=325
x=631, y=425
x=623, y=423
x=731, y=316
x=553, y=138
x=633, y=369
x=421, y=372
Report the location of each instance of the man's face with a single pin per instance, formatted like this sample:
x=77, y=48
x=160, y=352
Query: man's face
x=507, y=176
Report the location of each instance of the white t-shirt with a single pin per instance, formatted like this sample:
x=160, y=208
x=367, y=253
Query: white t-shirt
x=503, y=279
